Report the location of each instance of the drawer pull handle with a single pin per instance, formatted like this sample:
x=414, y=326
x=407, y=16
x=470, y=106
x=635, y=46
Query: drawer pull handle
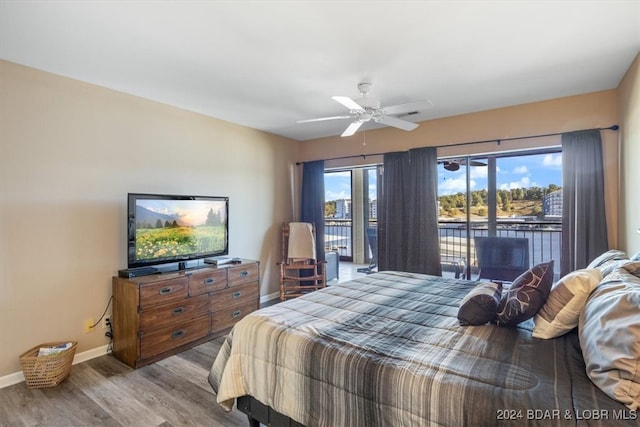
x=165, y=291
x=177, y=334
x=244, y=273
x=178, y=310
x=236, y=294
x=209, y=281
x=237, y=313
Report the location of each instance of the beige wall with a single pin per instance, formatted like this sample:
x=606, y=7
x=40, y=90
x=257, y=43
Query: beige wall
x=69, y=154
x=629, y=113
x=594, y=110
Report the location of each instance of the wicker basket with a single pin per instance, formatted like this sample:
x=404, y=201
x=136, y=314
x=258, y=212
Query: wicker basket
x=50, y=370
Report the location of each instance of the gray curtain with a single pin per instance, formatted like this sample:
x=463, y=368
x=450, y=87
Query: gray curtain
x=391, y=212
x=313, y=201
x=409, y=218
x=423, y=237
x=584, y=225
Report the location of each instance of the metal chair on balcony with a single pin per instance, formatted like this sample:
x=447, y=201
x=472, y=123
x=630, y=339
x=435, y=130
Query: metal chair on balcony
x=372, y=236
x=502, y=259
x=300, y=271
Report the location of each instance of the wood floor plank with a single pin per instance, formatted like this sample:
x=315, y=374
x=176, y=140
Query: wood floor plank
x=201, y=354
x=163, y=402
x=201, y=400
x=188, y=371
x=104, y=392
x=121, y=403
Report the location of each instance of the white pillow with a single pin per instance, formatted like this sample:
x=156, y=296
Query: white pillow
x=561, y=311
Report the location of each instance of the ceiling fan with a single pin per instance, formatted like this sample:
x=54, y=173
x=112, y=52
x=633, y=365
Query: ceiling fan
x=454, y=165
x=365, y=109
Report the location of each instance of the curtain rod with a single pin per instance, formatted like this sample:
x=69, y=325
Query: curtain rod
x=364, y=156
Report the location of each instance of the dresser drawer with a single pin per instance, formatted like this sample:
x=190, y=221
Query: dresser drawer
x=226, y=318
x=178, y=311
x=243, y=273
x=208, y=280
x=163, y=291
x=173, y=336
x=238, y=295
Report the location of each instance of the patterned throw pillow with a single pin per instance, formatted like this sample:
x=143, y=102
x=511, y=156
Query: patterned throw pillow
x=526, y=296
x=561, y=311
x=480, y=305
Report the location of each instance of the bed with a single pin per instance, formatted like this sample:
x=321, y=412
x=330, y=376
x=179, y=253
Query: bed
x=387, y=349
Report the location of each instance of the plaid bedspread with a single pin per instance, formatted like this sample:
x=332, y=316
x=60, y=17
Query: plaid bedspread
x=387, y=350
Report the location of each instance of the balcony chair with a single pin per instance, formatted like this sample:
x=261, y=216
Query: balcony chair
x=502, y=259
x=372, y=236
x=300, y=271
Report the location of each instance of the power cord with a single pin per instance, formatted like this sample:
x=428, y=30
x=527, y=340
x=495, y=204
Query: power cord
x=103, y=313
x=109, y=333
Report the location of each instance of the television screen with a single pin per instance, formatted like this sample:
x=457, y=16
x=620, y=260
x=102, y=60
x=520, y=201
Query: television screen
x=168, y=228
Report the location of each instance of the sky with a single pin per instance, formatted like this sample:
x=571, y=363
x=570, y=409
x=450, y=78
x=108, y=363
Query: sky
x=538, y=170
x=190, y=212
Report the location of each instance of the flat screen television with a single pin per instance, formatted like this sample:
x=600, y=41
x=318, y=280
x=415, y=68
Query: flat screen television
x=175, y=229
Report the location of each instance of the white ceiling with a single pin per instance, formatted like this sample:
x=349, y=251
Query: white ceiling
x=267, y=64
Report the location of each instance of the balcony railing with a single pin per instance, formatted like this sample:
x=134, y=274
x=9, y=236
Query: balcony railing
x=337, y=237
x=545, y=239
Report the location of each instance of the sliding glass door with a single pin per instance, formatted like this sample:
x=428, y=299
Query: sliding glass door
x=350, y=211
x=500, y=195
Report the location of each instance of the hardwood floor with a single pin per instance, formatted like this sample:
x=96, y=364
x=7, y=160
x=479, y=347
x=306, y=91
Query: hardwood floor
x=105, y=392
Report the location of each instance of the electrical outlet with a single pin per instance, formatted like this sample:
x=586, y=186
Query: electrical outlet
x=89, y=326
x=106, y=322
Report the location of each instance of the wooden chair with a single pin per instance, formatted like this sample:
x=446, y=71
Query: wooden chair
x=300, y=275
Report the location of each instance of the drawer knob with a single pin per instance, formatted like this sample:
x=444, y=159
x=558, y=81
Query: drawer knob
x=236, y=294
x=178, y=310
x=244, y=273
x=209, y=281
x=165, y=291
x=177, y=334
x=237, y=313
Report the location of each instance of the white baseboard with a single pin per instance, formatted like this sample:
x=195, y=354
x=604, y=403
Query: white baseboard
x=267, y=298
x=18, y=377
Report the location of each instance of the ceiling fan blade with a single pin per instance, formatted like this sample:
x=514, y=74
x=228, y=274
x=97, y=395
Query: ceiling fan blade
x=353, y=128
x=409, y=107
x=471, y=163
x=398, y=123
x=348, y=102
x=322, y=119
x=477, y=163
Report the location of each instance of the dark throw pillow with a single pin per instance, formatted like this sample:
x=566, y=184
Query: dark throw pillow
x=526, y=296
x=480, y=305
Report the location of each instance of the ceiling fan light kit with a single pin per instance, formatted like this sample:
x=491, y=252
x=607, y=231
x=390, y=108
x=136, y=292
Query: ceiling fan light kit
x=366, y=109
x=454, y=165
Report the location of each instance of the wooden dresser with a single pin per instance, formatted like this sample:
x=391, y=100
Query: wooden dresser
x=160, y=315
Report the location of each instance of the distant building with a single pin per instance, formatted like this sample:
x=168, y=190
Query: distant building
x=373, y=209
x=552, y=204
x=343, y=208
